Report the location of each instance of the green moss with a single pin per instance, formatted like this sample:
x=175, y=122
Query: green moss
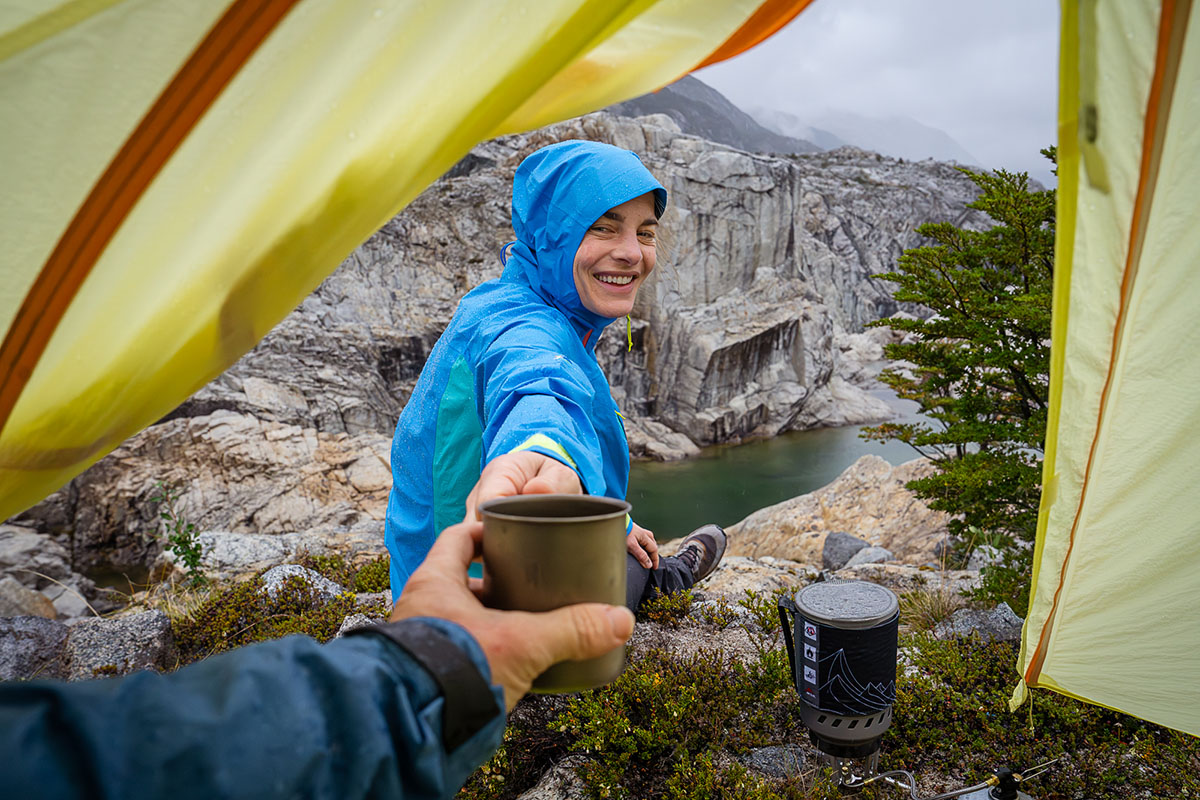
x=951, y=715
x=664, y=708
x=374, y=576
x=242, y=614
x=333, y=567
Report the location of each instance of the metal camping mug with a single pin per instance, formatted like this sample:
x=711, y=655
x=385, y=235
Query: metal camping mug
x=544, y=551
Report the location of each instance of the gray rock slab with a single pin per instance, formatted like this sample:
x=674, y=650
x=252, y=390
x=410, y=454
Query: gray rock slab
x=32, y=647
x=100, y=647
x=18, y=600
x=999, y=624
x=325, y=589
x=559, y=783
x=24, y=552
x=839, y=548
x=778, y=761
x=354, y=621
x=870, y=555
x=69, y=602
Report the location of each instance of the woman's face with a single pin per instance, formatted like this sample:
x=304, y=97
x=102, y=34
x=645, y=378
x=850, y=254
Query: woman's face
x=616, y=256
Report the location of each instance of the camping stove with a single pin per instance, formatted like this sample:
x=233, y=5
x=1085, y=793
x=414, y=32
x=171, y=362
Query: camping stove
x=843, y=658
x=841, y=642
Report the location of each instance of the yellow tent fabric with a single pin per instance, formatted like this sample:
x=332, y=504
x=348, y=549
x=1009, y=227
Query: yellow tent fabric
x=177, y=175
x=1116, y=587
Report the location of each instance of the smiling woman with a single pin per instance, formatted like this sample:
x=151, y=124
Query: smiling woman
x=616, y=256
x=516, y=371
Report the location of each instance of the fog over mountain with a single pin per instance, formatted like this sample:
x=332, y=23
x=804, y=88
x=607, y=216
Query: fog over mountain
x=701, y=110
x=896, y=136
x=984, y=73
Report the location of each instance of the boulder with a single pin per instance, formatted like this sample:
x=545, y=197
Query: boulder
x=325, y=589
x=16, y=600
x=779, y=762
x=839, y=548
x=32, y=647
x=997, y=624
x=560, y=782
x=870, y=555
x=354, y=621
x=237, y=556
x=101, y=647
x=868, y=499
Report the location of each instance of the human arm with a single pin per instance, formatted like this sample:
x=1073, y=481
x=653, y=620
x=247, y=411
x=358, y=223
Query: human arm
x=359, y=717
x=519, y=645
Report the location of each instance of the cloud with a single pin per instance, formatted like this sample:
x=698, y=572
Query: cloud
x=985, y=73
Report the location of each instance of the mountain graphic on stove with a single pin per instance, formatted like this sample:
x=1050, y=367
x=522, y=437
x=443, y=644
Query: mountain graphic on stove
x=843, y=690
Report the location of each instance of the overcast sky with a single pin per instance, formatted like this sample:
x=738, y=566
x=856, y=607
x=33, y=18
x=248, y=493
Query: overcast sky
x=983, y=71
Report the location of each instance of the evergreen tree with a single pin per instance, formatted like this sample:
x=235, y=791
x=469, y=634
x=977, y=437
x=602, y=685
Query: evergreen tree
x=979, y=368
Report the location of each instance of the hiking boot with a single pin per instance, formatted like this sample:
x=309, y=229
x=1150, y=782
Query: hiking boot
x=701, y=550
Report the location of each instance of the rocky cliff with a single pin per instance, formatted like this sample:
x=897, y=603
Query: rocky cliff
x=768, y=263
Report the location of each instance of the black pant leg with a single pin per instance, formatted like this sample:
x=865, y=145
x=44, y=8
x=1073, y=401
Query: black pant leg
x=643, y=584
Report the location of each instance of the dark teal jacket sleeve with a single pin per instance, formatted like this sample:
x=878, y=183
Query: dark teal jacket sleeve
x=358, y=717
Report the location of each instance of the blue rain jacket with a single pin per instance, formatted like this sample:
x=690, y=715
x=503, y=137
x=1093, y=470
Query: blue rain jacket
x=356, y=718
x=516, y=367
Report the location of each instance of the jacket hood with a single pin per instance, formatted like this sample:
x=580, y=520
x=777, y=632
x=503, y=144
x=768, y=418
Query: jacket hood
x=558, y=192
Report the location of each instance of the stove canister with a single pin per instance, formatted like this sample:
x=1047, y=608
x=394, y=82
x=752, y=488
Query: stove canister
x=844, y=653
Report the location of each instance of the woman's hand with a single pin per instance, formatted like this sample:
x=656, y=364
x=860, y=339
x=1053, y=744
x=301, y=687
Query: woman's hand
x=641, y=545
x=525, y=472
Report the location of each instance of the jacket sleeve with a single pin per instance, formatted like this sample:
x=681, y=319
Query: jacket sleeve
x=533, y=393
x=358, y=717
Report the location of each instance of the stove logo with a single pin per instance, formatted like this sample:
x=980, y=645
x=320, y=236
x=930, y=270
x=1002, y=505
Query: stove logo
x=810, y=652
x=810, y=631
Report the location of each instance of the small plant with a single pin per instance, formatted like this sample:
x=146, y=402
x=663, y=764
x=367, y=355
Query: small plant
x=719, y=612
x=667, y=608
x=764, y=608
x=182, y=539
x=922, y=609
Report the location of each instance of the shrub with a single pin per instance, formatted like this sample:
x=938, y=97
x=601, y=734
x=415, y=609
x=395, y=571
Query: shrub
x=667, y=608
x=243, y=613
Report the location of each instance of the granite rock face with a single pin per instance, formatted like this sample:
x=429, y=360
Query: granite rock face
x=36, y=577
x=750, y=326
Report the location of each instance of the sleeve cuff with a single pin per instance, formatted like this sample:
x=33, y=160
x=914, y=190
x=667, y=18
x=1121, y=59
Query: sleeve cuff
x=456, y=664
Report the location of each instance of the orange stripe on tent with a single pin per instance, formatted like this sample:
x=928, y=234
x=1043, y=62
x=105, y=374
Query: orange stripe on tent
x=770, y=17
x=1172, y=30
x=202, y=78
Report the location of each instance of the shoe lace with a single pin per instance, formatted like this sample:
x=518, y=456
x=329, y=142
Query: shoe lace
x=691, y=555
